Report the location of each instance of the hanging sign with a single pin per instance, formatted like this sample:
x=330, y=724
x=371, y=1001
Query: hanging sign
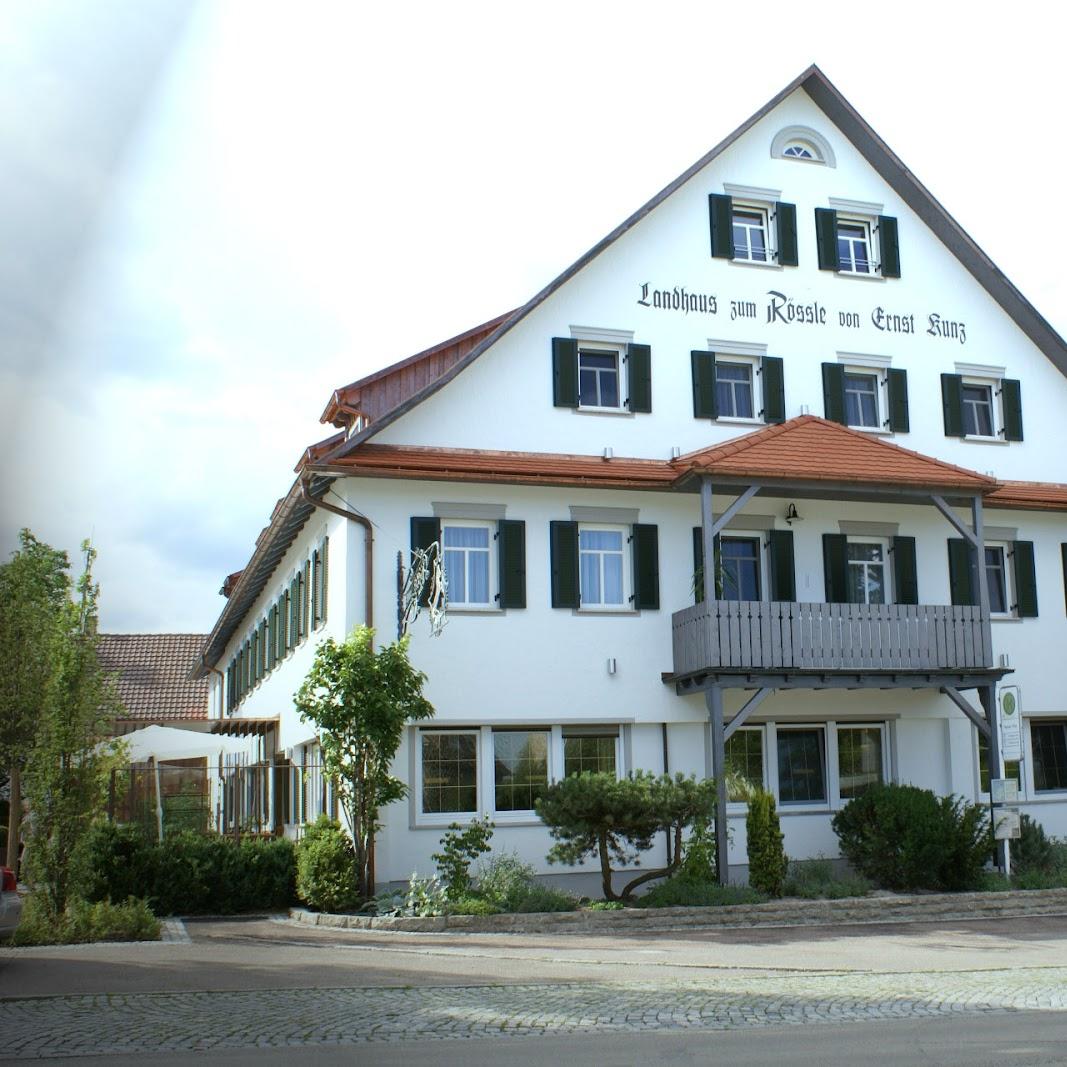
x=1011, y=741
x=1008, y=824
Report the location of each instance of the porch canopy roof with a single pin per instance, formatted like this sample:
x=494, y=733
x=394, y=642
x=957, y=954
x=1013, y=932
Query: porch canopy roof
x=811, y=457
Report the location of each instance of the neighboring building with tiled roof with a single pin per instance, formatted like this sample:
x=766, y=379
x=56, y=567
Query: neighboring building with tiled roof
x=784, y=451
x=151, y=672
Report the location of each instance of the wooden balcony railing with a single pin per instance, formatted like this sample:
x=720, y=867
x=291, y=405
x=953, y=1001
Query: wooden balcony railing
x=754, y=635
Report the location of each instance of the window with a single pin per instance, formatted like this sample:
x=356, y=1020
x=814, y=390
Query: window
x=750, y=234
x=802, y=143
x=589, y=753
x=858, y=240
x=733, y=390
x=980, y=406
x=859, y=759
x=1049, y=743
x=861, y=400
x=798, y=150
x=866, y=572
x=996, y=579
x=449, y=772
x=598, y=378
x=744, y=760
x=801, y=765
x=601, y=561
x=1011, y=769
x=520, y=762
x=466, y=550
x=739, y=564
x=1011, y=576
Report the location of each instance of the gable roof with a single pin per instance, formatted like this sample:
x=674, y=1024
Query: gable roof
x=1029, y=496
x=810, y=449
x=877, y=153
x=152, y=675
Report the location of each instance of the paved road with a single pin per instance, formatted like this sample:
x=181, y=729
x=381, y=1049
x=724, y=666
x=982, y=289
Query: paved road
x=277, y=986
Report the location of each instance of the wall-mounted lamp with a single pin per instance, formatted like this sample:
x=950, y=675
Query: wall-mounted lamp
x=791, y=515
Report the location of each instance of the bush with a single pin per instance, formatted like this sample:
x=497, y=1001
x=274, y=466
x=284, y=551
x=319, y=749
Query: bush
x=472, y=906
x=903, y=837
x=505, y=881
x=766, y=856
x=83, y=921
x=325, y=867
x=460, y=847
x=680, y=892
x=1032, y=851
x=698, y=862
x=815, y=880
x=190, y=874
x=544, y=897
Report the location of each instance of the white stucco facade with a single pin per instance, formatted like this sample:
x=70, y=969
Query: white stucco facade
x=564, y=672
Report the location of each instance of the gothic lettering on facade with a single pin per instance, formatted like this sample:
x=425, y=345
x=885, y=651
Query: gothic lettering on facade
x=781, y=309
x=947, y=328
x=890, y=323
x=678, y=299
x=849, y=319
x=742, y=309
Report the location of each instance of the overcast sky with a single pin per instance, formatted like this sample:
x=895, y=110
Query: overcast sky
x=212, y=214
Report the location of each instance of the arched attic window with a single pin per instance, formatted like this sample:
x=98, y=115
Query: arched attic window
x=803, y=143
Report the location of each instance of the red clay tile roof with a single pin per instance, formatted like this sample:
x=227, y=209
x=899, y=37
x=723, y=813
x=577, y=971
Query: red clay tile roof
x=481, y=465
x=810, y=449
x=151, y=675
x=1029, y=496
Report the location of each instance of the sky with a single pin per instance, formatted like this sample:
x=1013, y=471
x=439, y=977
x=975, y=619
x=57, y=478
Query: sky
x=214, y=212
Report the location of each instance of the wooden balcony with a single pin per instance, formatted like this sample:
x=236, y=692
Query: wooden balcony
x=757, y=636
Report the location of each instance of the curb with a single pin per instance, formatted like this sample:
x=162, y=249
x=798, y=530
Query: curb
x=885, y=908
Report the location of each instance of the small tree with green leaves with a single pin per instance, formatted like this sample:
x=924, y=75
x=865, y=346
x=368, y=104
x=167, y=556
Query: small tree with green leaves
x=69, y=768
x=34, y=588
x=360, y=701
x=616, y=820
x=767, y=862
x=460, y=847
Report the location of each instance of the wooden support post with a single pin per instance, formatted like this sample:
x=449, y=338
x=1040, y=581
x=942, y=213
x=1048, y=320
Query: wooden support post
x=713, y=698
x=707, y=524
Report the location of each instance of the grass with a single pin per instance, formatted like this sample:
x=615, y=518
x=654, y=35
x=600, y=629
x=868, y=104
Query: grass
x=815, y=880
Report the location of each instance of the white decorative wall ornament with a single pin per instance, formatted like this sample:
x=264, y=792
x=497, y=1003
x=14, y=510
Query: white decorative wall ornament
x=425, y=580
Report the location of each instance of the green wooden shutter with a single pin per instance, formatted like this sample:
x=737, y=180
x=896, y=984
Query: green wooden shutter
x=325, y=583
x=952, y=404
x=905, y=571
x=772, y=370
x=294, y=611
x=783, y=569
x=639, y=377
x=833, y=392
x=316, y=588
x=721, y=210
x=835, y=567
x=563, y=546
x=1012, y=405
x=705, y=404
x=963, y=588
x=305, y=600
x=897, y=386
x=785, y=221
x=698, y=564
x=511, y=562
x=645, y=545
x=889, y=246
x=826, y=238
x=564, y=372
x=1063, y=553
x=424, y=532
x=1022, y=558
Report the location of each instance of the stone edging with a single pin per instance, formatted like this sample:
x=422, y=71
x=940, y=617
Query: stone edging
x=883, y=908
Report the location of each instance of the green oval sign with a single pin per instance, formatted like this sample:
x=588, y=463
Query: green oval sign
x=1007, y=702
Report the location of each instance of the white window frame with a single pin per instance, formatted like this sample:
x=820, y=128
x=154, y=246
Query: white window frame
x=837, y=801
x=627, y=568
x=1025, y=777
x=883, y=543
x=996, y=415
x=764, y=732
x=881, y=398
x=1028, y=764
x=605, y=348
x=755, y=385
x=765, y=213
x=1004, y=548
x=493, y=603
x=441, y=818
x=554, y=766
x=608, y=730
x=866, y=223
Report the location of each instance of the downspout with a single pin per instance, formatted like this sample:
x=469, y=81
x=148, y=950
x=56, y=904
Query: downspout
x=666, y=770
x=368, y=557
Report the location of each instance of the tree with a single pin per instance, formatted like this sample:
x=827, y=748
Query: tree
x=34, y=588
x=69, y=767
x=360, y=702
x=767, y=863
x=616, y=819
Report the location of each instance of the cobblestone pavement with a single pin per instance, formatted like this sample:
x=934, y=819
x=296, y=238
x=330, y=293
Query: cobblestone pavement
x=143, y=1023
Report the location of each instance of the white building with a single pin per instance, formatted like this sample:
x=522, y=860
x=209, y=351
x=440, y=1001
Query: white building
x=793, y=340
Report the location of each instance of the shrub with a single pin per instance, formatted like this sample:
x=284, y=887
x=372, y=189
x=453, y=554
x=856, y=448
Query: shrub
x=680, y=892
x=815, y=880
x=1032, y=851
x=472, y=906
x=325, y=867
x=698, y=854
x=426, y=897
x=83, y=921
x=766, y=856
x=903, y=837
x=505, y=881
x=604, y=905
x=115, y=862
x=460, y=847
x=544, y=897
